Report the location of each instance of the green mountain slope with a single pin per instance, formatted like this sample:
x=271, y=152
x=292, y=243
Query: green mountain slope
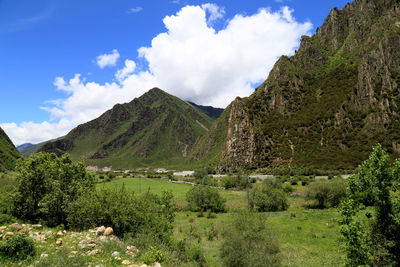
x=325, y=106
x=8, y=153
x=156, y=129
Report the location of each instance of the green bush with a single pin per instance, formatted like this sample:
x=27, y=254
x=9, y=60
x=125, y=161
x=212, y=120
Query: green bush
x=47, y=185
x=268, y=199
x=152, y=255
x=248, y=242
x=326, y=193
x=203, y=198
x=6, y=219
x=126, y=213
x=17, y=248
x=7, y=189
x=238, y=182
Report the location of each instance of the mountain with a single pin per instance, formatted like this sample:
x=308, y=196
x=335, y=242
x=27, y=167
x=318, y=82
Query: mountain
x=27, y=149
x=325, y=106
x=8, y=153
x=156, y=129
x=211, y=112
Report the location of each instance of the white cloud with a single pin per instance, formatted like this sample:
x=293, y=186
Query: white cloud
x=135, y=9
x=129, y=68
x=215, y=12
x=190, y=60
x=107, y=60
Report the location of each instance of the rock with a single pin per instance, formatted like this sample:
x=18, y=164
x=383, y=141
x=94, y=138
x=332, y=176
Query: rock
x=93, y=252
x=59, y=242
x=60, y=233
x=92, y=245
x=157, y=264
x=37, y=226
x=8, y=234
x=24, y=231
x=126, y=262
x=74, y=252
x=100, y=230
x=109, y=231
x=16, y=226
x=115, y=254
x=44, y=255
x=131, y=250
x=3, y=227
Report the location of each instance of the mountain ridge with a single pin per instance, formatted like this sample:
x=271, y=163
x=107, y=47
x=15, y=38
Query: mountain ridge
x=8, y=152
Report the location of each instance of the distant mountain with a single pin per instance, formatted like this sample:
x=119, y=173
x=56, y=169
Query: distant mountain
x=211, y=112
x=325, y=106
x=27, y=149
x=156, y=129
x=8, y=153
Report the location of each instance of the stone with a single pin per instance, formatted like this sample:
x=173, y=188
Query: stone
x=157, y=264
x=100, y=230
x=44, y=255
x=8, y=234
x=93, y=252
x=59, y=242
x=16, y=226
x=109, y=231
x=74, y=252
x=92, y=245
x=37, y=226
x=60, y=233
x=131, y=250
x=24, y=231
x=115, y=254
x=126, y=262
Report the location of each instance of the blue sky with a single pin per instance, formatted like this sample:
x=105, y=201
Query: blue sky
x=45, y=43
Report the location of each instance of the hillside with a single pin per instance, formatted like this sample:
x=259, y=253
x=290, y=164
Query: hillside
x=27, y=149
x=210, y=111
x=325, y=106
x=8, y=153
x=156, y=129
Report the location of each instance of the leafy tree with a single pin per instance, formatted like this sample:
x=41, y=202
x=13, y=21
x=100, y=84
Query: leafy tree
x=47, y=185
x=249, y=242
x=202, y=198
x=371, y=235
x=201, y=177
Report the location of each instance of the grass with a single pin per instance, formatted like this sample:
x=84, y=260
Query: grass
x=308, y=237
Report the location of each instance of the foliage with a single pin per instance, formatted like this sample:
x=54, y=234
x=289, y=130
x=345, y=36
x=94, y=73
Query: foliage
x=238, y=181
x=326, y=193
x=47, y=185
x=125, y=212
x=17, y=247
x=269, y=196
x=249, y=242
x=203, y=198
x=8, y=153
x=372, y=238
x=152, y=255
x=7, y=188
x=201, y=177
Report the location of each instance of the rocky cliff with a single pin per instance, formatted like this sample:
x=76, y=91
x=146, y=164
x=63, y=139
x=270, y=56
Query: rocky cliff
x=328, y=104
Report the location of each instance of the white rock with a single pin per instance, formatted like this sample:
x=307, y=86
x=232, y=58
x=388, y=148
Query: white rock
x=115, y=254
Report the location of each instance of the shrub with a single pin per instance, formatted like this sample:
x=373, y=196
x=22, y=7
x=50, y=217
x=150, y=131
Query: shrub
x=7, y=189
x=203, y=198
x=47, y=185
x=6, y=218
x=152, y=255
x=17, y=248
x=287, y=188
x=326, y=193
x=125, y=212
x=238, y=181
x=248, y=242
x=268, y=199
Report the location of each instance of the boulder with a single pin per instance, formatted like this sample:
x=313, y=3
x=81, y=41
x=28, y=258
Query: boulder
x=59, y=242
x=100, y=230
x=157, y=264
x=37, y=226
x=24, y=231
x=109, y=231
x=126, y=262
x=60, y=233
x=131, y=250
x=8, y=234
x=93, y=252
x=16, y=226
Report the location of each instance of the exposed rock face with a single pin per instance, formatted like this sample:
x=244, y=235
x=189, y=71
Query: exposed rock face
x=327, y=105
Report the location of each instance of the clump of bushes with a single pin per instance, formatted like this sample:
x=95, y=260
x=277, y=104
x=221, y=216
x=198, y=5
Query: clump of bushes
x=204, y=198
x=46, y=186
x=326, y=193
x=269, y=196
x=17, y=248
x=249, y=242
x=125, y=212
x=238, y=182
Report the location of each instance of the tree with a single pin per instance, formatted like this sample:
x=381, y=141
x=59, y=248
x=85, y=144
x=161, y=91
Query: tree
x=47, y=185
x=269, y=196
x=326, y=193
x=372, y=235
x=203, y=198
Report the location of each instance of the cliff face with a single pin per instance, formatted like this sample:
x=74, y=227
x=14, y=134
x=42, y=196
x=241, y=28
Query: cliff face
x=328, y=104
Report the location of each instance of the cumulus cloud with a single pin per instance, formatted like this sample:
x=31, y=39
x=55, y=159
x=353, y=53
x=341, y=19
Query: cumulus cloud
x=108, y=60
x=190, y=60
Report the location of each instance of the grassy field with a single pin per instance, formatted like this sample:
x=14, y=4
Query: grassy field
x=308, y=237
